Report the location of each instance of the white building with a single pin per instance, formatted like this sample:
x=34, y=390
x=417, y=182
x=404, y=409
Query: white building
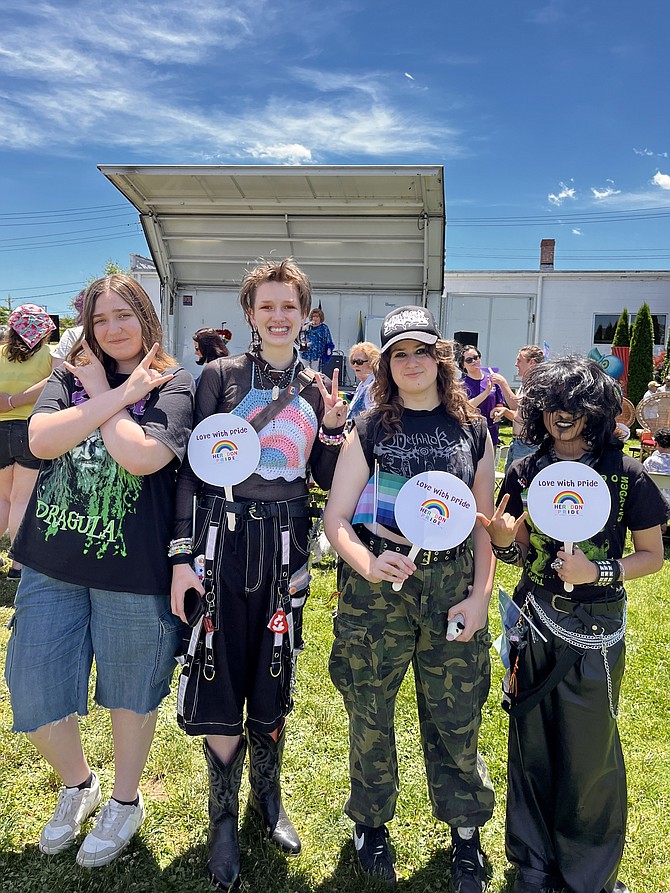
x=571, y=311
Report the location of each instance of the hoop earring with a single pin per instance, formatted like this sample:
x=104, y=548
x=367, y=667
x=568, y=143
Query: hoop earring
x=302, y=341
x=256, y=342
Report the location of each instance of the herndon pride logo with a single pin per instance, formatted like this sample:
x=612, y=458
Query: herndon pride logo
x=567, y=502
x=435, y=511
x=224, y=451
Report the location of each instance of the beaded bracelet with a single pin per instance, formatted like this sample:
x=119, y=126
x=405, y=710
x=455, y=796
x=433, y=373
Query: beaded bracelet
x=332, y=439
x=608, y=573
x=509, y=554
x=183, y=546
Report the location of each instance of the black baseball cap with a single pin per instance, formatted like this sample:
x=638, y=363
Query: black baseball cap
x=412, y=322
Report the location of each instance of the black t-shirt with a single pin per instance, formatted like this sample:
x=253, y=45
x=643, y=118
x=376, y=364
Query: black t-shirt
x=636, y=505
x=429, y=440
x=89, y=521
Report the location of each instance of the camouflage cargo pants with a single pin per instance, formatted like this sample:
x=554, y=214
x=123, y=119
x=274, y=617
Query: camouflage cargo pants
x=378, y=632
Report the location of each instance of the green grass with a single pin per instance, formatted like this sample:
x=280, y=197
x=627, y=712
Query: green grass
x=170, y=850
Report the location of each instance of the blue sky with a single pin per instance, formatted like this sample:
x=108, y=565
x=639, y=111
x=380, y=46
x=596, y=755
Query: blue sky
x=552, y=114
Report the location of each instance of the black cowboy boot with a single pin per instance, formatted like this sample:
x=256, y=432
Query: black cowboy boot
x=224, y=787
x=265, y=759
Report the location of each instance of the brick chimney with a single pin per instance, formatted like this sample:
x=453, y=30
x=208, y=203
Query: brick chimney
x=547, y=247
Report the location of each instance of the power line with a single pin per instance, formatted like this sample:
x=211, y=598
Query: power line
x=73, y=232
x=563, y=256
x=67, y=220
x=626, y=248
x=41, y=214
x=567, y=219
x=38, y=287
x=50, y=294
x=71, y=242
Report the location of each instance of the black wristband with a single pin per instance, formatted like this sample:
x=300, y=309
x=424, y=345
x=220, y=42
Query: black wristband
x=608, y=573
x=509, y=554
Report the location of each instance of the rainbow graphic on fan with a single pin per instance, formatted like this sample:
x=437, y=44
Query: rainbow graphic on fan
x=435, y=510
x=568, y=502
x=224, y=450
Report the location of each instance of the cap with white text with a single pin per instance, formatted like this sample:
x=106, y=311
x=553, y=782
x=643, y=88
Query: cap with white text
x=411, y=322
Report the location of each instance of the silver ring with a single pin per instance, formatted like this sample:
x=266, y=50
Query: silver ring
x=557, y=564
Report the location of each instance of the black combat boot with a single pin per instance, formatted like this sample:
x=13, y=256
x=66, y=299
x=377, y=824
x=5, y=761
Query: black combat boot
x=224, y=788
x=265, y=759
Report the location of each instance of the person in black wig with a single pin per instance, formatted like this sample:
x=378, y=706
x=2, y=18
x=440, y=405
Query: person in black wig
x=566, y=802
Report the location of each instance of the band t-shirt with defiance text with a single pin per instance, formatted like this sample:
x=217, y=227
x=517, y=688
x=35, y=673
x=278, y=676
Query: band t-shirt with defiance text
x=429, y=440
x=89, y=521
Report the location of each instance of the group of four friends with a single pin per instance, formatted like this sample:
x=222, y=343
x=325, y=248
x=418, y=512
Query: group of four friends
x=116, y=493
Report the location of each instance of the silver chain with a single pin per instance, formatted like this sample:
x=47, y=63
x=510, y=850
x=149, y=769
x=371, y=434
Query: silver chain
x=583, y=640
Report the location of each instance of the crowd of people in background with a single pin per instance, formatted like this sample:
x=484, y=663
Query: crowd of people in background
x=126, y=557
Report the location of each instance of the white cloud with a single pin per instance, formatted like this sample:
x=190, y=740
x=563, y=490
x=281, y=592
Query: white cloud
x=292, y=153
x=105, y=74
x=282, y=130
x=662, y=180
x=336, y=82
x=565, y=192
x=176, y=33
x=648, y=152
x=576, y=231
x=607, y=192
x=407, y=75
x=549, y=14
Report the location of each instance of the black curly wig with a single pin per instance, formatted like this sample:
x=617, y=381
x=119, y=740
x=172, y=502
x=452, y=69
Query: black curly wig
x=576, y=385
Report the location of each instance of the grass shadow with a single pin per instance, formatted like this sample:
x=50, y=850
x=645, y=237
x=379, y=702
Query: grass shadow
x=29, y=871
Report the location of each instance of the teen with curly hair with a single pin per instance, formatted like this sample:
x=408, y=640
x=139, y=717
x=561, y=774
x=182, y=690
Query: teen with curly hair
x=422, y=422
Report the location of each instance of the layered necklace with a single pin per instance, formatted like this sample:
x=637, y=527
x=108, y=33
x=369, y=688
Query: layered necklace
x=275, y=379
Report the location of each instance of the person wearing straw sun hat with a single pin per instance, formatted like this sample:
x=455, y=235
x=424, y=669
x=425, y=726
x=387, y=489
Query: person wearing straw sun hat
x=25, y=365
x=422, y=423
x=566, y=803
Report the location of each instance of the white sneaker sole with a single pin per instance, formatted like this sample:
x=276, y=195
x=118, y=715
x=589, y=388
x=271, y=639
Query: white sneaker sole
x=97, y=860
x=53, y=848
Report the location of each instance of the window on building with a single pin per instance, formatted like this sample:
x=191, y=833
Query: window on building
x=605, y=325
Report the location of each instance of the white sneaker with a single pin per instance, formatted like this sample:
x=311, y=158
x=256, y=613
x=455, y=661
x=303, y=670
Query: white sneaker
x=114, y=828
x=74, y=806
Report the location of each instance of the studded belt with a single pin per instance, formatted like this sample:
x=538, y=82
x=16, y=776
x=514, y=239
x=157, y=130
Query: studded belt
x=378, y=544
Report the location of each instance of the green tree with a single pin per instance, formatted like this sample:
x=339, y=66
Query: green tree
x=111, y=267
x=5, y=310
x=622, y=331
x=641, y=360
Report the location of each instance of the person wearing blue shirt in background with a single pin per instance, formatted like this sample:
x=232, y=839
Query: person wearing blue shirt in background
x=320, y=344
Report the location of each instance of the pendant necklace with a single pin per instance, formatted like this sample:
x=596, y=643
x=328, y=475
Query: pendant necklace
x=277, y=383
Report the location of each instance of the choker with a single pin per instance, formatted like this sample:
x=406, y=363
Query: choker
x=275, y=379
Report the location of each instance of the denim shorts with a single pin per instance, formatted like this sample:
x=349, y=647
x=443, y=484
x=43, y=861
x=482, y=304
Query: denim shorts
x=14, y=445
x=57, y=630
